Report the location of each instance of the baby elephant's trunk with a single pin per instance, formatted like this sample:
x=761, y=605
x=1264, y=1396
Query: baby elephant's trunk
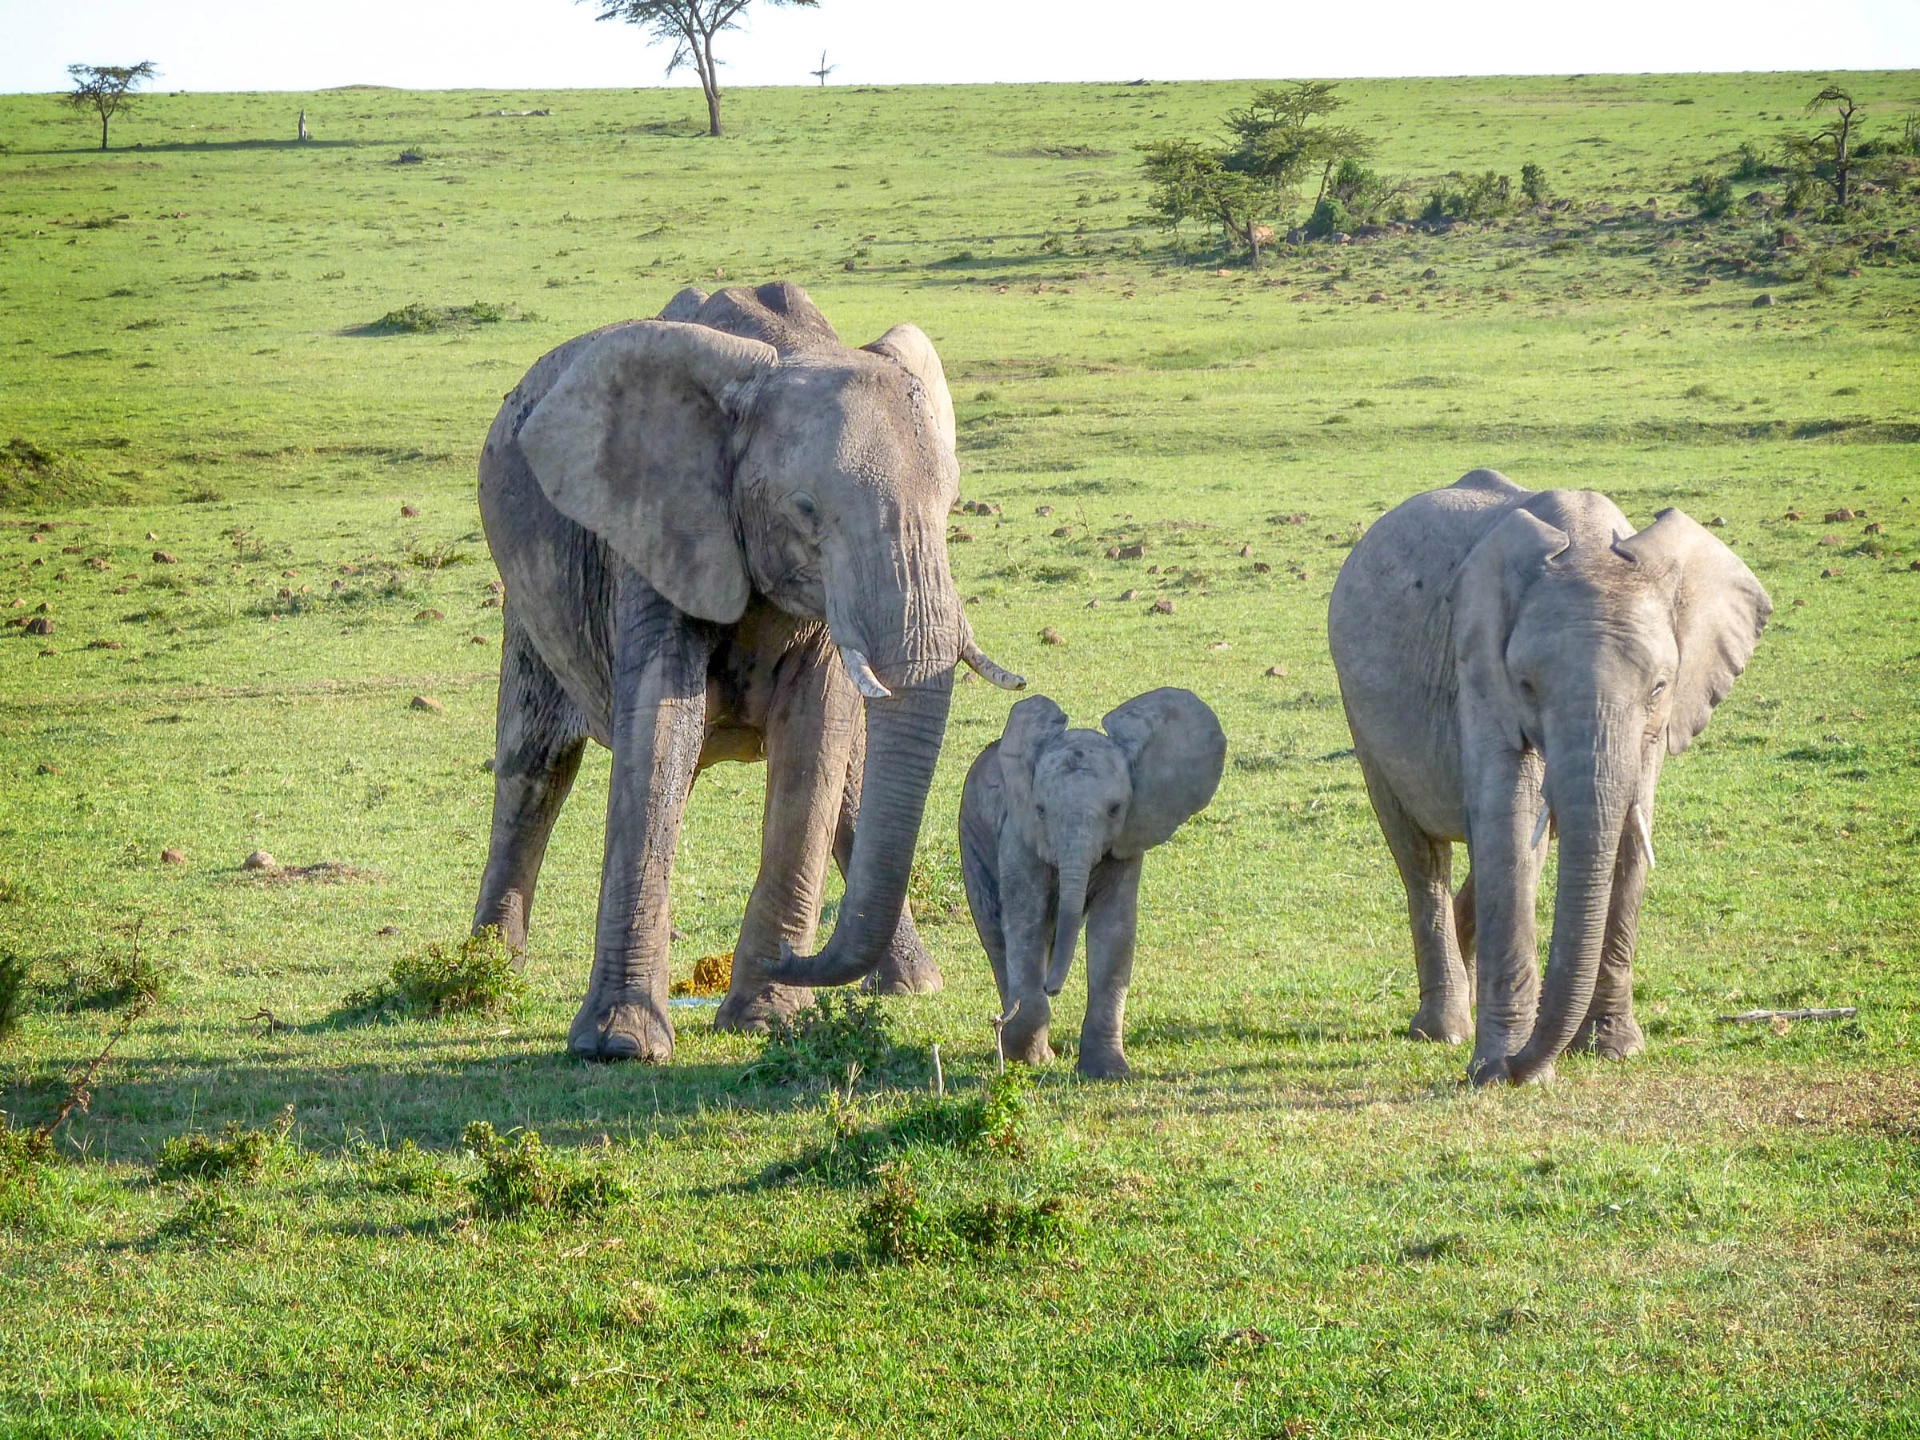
x=1066, y=935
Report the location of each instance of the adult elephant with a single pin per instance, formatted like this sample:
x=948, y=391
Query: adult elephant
x=723, y=537
x=1508, y=658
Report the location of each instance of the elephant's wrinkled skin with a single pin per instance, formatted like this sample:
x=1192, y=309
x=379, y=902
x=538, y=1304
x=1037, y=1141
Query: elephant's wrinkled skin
x=1053, y=825
x=1506, y=656
x=718, y=531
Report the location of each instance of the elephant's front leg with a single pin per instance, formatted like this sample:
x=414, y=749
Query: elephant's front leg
x=1028, y=895
x=1113, y=908
x=659, y=724
x=810, y=728
x=1503, y=811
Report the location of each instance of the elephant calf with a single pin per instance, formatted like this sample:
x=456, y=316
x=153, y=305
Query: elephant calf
x=1053, y=825
x=1508, y=658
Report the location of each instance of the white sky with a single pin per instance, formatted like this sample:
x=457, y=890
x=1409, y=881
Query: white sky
x=544, y=44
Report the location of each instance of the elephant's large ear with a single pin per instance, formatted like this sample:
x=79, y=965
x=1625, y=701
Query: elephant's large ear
x=909, y=347
x=1719, y=610
x=1486, y=595
x=1032, y=725
x=1176, y=750
x=632, y=444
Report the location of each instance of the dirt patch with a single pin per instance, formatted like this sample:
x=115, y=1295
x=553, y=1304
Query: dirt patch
x=323, y=872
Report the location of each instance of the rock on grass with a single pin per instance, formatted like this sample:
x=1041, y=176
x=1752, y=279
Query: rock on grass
x=427, y=703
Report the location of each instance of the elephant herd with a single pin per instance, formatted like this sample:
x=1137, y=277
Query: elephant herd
x=723, y=537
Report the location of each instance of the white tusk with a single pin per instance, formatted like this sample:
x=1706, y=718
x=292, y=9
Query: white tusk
x=864, y=680
x=1646, y=833
x=1540, y=826
x=987, y=670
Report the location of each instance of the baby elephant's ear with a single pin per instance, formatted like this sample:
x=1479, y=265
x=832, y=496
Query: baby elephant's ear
x=1176, y=751
x=1032, y=725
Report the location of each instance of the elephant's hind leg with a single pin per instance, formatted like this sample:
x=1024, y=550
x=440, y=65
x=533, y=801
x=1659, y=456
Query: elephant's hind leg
x=539, y=735
x=1426, y=870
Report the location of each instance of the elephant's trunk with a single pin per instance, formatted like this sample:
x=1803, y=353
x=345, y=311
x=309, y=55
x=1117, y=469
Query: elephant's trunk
x=903, y=744
x=1073, y=910
x=1592, y=786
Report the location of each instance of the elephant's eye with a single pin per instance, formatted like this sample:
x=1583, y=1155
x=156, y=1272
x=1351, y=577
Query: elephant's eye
x=1113, y=810
x=1659, y=689
x=1041, y=811
x=804, y=506
x=1526, y=689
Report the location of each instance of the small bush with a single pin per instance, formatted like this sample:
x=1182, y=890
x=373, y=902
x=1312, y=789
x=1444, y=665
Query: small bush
x=22, y=1153
x=1470, y=197
x=14, y=974
x=517, y=1178
x=992, y=1118
x=899, y=1225
x=401, y=1170
x=1750, y=163
x=1328, y=216
x=1714, y=194
x=419, y=319
x=210, y=1216
x=115, y=979
x=476, y=975
x=1533, y=184
x=827, y=1039
x=235, y=1153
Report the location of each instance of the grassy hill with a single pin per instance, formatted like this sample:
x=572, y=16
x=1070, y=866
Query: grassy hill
x=250, y=354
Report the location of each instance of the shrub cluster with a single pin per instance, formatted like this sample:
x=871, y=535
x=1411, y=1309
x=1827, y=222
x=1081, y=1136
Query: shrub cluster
x=827, y=1039
x=900, y=1225
x=518, y=1177
x=478, y=974
x=236, y=1153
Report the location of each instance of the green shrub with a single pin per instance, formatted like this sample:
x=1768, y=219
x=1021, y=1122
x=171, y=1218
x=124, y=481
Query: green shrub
x=827, y=1039
x=235, y=1153
x=1328, y=216
x=1533, y=184
x=404, y=1169
x=1470, y=197
x=210, y=1216
x=22, y=1153
x=1751, y=163
x=518, y=1177
x=992, y=1118
x=14, y=974
x=419, y=319
x=479, y=974
x=899, y=1225
x=1714, y=193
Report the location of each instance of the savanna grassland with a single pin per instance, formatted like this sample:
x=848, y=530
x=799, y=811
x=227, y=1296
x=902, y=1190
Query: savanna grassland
x=274, y=364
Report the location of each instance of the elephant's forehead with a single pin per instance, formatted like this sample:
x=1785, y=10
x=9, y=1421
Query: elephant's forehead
x=1084, y=752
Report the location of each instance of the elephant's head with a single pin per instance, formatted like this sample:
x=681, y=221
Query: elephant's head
x=1078, y=796
x=1604, y=651
x=716, y=465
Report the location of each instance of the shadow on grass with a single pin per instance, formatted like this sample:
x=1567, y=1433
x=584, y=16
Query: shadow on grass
x=170, y=147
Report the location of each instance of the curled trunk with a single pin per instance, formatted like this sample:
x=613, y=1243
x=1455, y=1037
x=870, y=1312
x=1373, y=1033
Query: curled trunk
x=903, y=745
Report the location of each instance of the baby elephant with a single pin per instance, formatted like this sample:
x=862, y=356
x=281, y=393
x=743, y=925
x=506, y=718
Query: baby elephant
x=1053, y=823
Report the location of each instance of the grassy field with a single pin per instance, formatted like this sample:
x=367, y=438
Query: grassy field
x=1293, y=1222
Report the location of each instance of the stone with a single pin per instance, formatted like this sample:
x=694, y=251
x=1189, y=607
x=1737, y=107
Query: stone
x=1874, y=527
x=1246, y=551
x=1719, y=522
x=1840, y=516
x=1276, y=672
x=1113, y=552
x=1795, y=515
x=1129, y=594
x=410, y=511
x=959, y=536
x=1163, y=606
x=1831, y=540
x=1132, y=552
x=1051, y=636
x=479, y=640
x=1762, y=301
x=1043, y=510
x=152, y=535
x=39, y=625
x=260, y=860
x=427, y=703
x=388, y=930
x=1832, y=572
x=170, y=856
x=1913, y=565
x=429, y=614
x=488, y=765
x=1260, y=567
x=1798, y=603
x=161, y=557
x=1092, y=604
x=43, y=768
x=1061, y=532
x=1429, y=274
x=1379, y=297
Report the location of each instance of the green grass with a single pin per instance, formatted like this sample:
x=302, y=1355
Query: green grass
x=1292, y=1222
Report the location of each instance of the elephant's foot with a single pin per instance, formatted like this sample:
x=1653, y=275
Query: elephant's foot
x=1446, y=1022
x=754, y=1007
x=1506, y=1070
x=1612, y=1037
x=1102, y=1062
x=621, y=1030
x=907, y=969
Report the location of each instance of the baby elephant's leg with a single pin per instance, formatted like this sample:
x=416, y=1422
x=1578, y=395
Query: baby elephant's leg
x=1112, y=908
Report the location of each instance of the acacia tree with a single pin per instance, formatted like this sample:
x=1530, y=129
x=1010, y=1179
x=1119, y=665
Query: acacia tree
x=1279, y=139
x=107, y=89
x=689, y=26
x=1828, y=151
